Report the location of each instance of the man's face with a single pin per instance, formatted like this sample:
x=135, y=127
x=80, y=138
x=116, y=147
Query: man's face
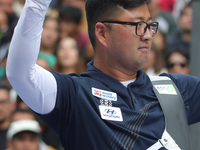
x=25, y=141
x=4, y=105
x=127, y=51
x=6, y=6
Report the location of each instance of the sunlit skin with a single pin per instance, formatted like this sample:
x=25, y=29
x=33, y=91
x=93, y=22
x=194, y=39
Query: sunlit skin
x=119, y=52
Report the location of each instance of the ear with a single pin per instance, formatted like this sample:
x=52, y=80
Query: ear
x=101, y=33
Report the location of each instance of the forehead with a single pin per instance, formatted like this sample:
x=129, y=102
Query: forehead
x=140, y=13
x=25, y=134
x=22, y=115
x=68, y=42
x=6, y=1
x=4, y=93
x=50, y=22
x=176, y=56
x=187, y=9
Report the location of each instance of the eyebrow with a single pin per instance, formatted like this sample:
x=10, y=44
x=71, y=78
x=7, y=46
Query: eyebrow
x=142, y=18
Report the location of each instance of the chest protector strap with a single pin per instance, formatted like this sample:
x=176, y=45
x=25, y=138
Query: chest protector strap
x=176, y=132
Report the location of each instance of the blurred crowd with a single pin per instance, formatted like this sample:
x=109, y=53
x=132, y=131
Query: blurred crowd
x=66, y=48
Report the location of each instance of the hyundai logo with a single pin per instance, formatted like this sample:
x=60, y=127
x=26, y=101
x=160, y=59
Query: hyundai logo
x=110, y=111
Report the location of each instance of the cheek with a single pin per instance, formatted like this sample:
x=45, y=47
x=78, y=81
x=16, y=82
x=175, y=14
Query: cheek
x=187, y=70
x=74, y=54
x=170, y=70
x=55, y=34
x=74, y=57
x=34, y=145
x=61, y=55
x=44, y=33
x=63, y=26
x=125, y=40
x=68, y=57
x=17, y=145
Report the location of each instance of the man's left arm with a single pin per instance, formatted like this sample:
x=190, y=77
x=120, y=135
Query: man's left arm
x=189, y=87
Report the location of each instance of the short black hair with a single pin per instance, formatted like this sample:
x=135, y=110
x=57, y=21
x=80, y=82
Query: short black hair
x=70, y=13
x=100, y=10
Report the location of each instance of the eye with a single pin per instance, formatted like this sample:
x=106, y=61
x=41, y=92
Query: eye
x=140, y=24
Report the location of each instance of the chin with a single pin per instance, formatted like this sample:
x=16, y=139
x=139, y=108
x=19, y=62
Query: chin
x=142, y=65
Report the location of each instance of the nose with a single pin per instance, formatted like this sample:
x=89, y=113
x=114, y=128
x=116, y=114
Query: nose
x=147, y=36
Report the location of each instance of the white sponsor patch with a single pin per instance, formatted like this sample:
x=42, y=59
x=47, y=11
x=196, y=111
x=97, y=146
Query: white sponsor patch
x=166, y=89
x=104, y=94
x=111, y=113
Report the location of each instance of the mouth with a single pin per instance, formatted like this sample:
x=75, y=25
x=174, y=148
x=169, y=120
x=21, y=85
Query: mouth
x=144, y=49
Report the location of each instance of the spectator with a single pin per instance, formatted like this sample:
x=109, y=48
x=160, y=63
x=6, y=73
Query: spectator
x=3, y=59
x=156, y=62
x=167, y=5
x=167, y=24
x=68, y=57
x=179, y=5
x=5, y=111
x=3, y=27
x=183, y=38
x=18, y=6
x=3, y=62
x=178, y=61
x=23, y=134
x=80, y=4
x=3, y=39
x=7, y=7
x=20, y=104
x=27, y=114
x=50, y=35
x=160, y=41
x=70, y=18
x=49, y=40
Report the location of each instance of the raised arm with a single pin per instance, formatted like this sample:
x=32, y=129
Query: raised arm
x=36, y=86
